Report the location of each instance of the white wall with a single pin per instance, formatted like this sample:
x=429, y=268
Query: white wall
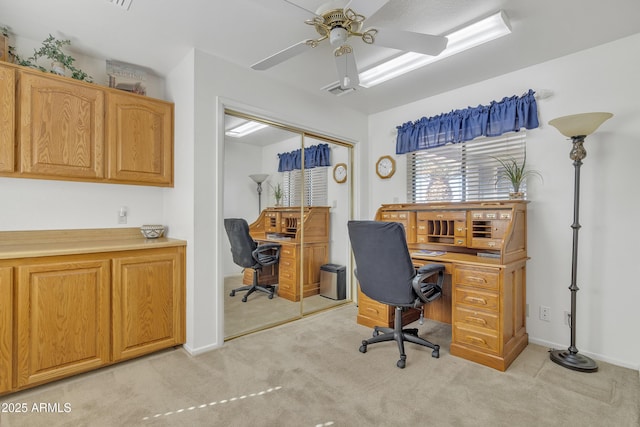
x=599, y=79
x=218, y=84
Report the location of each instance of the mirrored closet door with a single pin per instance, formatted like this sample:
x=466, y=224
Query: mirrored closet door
x=293, y=188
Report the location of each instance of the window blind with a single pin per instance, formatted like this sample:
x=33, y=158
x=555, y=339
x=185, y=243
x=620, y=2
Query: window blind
x=467, y=171
x=312, y=192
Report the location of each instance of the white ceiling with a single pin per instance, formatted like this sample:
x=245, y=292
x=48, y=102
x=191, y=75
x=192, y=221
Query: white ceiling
x=158, y=33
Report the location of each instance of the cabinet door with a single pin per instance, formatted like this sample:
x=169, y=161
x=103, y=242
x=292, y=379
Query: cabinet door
x=147, y=302
x=62, y=319
x=7, y=118
x=6, y=328
x=61, y=131
x=140, y=140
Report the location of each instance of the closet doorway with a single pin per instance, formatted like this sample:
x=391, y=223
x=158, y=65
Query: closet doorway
x=311, y=191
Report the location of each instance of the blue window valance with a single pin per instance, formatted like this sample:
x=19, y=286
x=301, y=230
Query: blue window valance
x=510, y=114
x=314, y=156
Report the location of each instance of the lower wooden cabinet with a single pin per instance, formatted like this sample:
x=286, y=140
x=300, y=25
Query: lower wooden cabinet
x=62, y=319
x=6, y=334
x=146, y=303
x=63, y=315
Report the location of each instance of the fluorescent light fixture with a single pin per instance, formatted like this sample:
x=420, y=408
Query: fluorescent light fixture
x=245, y=129
x=491, y=28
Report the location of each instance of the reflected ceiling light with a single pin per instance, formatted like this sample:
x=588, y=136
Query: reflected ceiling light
x=245, y=129
x=491, y=28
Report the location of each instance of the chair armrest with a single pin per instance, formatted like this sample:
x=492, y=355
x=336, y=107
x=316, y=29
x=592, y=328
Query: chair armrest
x=428, y=291
x=267, y=253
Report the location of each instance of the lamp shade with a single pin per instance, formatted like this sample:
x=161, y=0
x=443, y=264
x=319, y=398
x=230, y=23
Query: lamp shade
x=259, y=178
x=580, y=124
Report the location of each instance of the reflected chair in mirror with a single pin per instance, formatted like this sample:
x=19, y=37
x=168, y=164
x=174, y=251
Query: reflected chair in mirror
x=386, y=274
x=247, y=253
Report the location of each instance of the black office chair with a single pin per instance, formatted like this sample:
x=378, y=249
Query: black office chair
x=386, y=274
x=248, y=254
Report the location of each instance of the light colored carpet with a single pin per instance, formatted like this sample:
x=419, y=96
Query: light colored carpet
x=260, y=312
x=310, y=373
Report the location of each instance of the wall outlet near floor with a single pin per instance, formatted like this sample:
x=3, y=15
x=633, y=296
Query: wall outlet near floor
x=545, y=313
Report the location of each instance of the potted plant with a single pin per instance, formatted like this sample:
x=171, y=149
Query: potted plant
x=60, y=62
x=515, y=173
x=277, y=193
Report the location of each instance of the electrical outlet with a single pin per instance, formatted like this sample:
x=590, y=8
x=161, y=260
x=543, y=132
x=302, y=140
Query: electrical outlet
x=567, y=318
x=122, y=215
x=545, y=313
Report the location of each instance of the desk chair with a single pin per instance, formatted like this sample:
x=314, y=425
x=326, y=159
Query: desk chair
x=248, y=254
x=386, y=274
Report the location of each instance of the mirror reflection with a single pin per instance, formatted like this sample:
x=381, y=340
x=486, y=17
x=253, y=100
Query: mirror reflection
x=285, y=185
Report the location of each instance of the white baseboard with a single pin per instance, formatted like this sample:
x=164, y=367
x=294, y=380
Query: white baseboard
x=200, y=350
x=595, y=356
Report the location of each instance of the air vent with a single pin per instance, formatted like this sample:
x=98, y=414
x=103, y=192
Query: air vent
x=338, y=90
x=124, y=4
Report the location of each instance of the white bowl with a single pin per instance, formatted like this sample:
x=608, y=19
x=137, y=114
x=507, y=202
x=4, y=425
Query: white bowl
x=152, y=231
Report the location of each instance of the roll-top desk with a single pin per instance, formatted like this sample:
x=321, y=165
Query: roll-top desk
x=484, y=295
x=304, y=235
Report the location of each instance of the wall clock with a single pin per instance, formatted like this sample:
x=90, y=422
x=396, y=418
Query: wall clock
x=385, y=167
x=340, y=173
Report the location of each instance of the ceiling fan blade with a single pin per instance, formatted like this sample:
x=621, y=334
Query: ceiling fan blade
x=300, y=8
x=346, y=65
x=282, y=56
x=366, y=7
x=426, y=44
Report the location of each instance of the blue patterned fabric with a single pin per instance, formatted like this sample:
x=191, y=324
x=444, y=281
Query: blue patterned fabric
x=510, y=114
x=314, y=156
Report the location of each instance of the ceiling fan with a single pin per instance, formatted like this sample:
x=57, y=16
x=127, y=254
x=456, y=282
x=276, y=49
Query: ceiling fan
x=338, y=24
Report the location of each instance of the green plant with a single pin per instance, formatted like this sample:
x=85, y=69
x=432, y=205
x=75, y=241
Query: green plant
x=514, y=173
x=52, y=49
x=277, y=192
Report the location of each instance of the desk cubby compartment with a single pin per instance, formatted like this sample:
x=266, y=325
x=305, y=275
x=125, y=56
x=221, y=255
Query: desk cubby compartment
x=272, y=222
x=289, y=225
x=444, y=228
x=488, y=228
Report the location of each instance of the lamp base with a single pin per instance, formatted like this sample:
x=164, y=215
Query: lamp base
x=574, y=361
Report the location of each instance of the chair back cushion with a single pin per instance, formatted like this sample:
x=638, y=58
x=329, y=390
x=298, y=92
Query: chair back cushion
x=383, y=264
x=242, y=244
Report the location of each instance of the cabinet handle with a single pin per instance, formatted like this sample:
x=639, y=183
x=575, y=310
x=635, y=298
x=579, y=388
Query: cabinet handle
x=471, y=319
x=372, y=310
x=491, y=244
x=476, y=300
x=477, y=279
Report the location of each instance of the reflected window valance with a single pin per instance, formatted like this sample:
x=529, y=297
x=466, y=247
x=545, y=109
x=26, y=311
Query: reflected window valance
x=510, y=114
x=314, y=156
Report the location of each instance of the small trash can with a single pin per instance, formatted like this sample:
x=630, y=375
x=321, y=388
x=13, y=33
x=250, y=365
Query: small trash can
x=333, y=281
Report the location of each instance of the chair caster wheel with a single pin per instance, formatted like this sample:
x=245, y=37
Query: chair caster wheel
x=270, y=296
x=244, y=299
x=363, y=348
x=401, y=363
x=435, y=353
x=376, y=332
x=232, y=294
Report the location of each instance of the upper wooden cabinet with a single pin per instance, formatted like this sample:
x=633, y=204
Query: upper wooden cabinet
x=61, y=130
x=7, y=118
x=71, y=130
x=140, y=140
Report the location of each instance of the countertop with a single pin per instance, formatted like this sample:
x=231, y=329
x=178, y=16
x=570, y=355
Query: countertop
x=38, y=243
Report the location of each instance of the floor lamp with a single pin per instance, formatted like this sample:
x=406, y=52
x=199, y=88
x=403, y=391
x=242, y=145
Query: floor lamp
x=576, y=127
x=259, y=178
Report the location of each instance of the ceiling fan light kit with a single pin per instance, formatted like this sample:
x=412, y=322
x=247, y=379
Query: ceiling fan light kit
x=337, y=25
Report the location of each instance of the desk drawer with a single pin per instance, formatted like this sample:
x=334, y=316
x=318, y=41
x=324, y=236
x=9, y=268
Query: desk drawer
x=478, y=338
x=477, y=277
x=477, y=299
x=481, y=319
